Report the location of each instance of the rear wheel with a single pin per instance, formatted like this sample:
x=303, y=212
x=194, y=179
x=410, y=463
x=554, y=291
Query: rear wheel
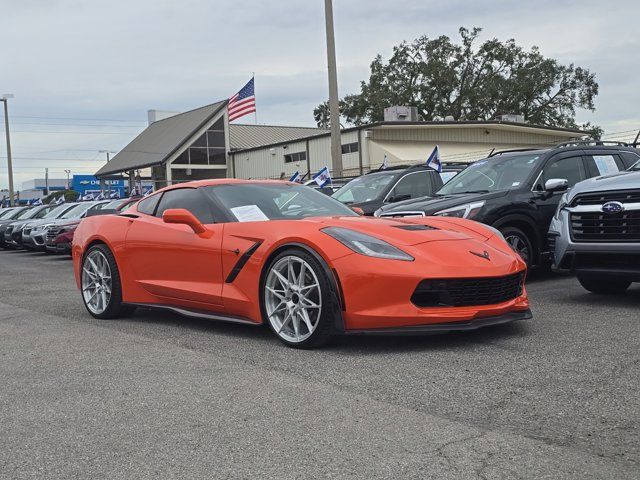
x=519, y=242
x=100, y=284
x=296, y=300
x=603, y=285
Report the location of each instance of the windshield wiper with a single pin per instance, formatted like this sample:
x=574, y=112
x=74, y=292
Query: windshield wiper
x=474, y=191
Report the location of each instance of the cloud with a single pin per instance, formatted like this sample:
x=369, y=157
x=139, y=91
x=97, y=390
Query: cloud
x=116, y=59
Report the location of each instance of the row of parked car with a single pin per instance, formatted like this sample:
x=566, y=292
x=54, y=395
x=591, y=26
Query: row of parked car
x=575, y=205
x=50, y=228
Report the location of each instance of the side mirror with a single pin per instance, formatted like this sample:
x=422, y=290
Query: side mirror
x=358, y=210
x=183, y=217
x=554, y=185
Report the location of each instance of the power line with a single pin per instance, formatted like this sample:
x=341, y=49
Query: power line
x=77, y=118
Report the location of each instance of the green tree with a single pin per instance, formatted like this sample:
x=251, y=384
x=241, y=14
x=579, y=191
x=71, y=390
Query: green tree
x=470, y=81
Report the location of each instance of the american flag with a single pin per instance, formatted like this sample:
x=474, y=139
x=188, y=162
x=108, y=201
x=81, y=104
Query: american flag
x=243, y=102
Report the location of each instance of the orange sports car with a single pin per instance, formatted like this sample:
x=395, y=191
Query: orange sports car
x=279, y=253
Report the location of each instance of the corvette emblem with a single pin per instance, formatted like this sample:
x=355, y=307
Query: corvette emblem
x=612, y=207
x=484, y=254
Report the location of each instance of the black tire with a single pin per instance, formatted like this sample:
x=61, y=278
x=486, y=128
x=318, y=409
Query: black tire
x=115, y=307
x=519, y=242
x=324, y=329
x=603, y=285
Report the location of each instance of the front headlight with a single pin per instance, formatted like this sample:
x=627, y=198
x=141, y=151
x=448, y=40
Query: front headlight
x=468, y=210
x=366, y=244
x=564, y=201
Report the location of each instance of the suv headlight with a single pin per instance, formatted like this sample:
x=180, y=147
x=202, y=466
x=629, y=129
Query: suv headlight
x=366, y=244
x=564, y=201
x=468, y=210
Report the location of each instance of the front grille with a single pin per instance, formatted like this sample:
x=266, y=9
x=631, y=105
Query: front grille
x=461, y=292
x=598, y=198
x=52, y=233
x=602, y=227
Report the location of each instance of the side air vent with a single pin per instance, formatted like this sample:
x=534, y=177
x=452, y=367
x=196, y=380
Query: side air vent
x=415, y=227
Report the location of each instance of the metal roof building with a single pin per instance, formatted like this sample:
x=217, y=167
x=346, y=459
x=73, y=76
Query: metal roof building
x=403, y=142
x=201, y=144
x=194, y=145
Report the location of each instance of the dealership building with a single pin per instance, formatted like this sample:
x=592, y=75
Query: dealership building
x=201, y=143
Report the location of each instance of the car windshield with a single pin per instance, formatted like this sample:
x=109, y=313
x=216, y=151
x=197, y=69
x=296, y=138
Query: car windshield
x=14, y=214
x=28, y=213
x=58, y=210
x=278, y=201
x=492, y=175
x=635, y=167
x=446, y=176
x=365, y=188
x=76, y=211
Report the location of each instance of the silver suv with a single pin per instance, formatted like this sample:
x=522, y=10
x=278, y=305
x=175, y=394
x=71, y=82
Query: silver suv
x=596, y=232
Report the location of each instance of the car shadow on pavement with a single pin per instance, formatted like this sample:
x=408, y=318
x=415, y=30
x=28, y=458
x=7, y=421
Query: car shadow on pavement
x=353, y=344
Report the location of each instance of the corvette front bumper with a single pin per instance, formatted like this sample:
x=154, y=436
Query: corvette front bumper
x=435, y=328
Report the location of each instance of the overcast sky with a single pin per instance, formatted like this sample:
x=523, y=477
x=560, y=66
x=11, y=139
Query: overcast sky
x=84, y=73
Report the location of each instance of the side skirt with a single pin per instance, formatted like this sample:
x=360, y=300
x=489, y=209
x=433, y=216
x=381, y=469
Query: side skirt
x=193, y=313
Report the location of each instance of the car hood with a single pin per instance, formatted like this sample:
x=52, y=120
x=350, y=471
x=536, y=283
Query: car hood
x=617, y=181
x=40, y=221
x=431, y=205
x=410, y=231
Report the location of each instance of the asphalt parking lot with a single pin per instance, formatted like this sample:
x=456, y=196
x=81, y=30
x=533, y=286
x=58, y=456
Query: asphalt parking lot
x=161, y=396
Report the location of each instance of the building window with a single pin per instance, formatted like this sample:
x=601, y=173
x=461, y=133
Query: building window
x=350, y=148
x=295, y=157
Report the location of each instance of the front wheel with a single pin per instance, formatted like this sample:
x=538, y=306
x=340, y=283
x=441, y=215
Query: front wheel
x=100, y=284
x=519, y=243
x=603, y=285
x=296, y=300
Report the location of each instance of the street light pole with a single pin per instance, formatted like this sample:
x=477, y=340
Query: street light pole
x=4, y=99
x=334, y=108
x=68, y=184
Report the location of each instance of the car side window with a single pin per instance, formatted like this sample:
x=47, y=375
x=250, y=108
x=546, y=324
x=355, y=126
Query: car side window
x=190, y=199
x=411, y=186
x=571, y=169
x=148, y=205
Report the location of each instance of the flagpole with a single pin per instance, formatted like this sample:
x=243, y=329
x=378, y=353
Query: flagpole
x=255, y=113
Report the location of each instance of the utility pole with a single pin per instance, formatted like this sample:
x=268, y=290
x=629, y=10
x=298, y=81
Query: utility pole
x=46, y=182
x=4, y=99
x=102, y=182
x=334, y=108
x=68, y=183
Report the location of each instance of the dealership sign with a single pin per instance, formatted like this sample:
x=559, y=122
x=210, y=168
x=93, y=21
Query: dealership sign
x=84, y=184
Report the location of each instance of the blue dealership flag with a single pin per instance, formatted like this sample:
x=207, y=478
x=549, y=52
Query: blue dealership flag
x=114, y=194
x=434, y=160
x=100, y=196
x=37, y=202
x=322, y=177
x=87, y=197
x=60, y=200
x=385, y=163
x=295, y=177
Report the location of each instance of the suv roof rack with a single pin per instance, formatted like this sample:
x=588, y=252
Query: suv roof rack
x=590, y=141
x=514, y=150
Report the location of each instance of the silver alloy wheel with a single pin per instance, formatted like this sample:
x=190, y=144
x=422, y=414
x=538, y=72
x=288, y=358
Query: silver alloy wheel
x=96, y=282
x=293, y=299
x=519, y=246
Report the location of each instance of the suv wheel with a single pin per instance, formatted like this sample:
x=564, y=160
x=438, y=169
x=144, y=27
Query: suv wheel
x=603, y=285
x=519, y=242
